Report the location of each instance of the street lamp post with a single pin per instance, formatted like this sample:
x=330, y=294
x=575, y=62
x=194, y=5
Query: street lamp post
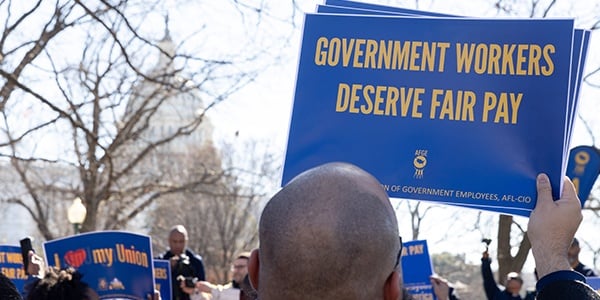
x=76, y=214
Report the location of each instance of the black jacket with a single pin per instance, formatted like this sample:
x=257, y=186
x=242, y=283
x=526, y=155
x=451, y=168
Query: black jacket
x=195, y=268
x=563, y=285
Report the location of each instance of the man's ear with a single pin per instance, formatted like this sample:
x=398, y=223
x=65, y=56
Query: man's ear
x=392, y=290
x=253, y=268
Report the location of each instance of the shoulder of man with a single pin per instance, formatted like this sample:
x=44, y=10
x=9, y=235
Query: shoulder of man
x=193, y=254
x=565, y=285
x=568, y=289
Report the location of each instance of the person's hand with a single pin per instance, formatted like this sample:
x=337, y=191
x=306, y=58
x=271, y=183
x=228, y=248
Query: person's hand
x=440, y=286
x=36, y=265
x=552, y=226
x=186, y=289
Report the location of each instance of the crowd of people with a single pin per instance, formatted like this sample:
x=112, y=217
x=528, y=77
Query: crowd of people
x=51, y=283
x=513, y=283
x=332, y=233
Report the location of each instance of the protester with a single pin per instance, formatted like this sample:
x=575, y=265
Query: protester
x=205, y=290
x=574, y=260
x=60, y=284
x=184, y=262
x=331, y=233
x=512, y=284
x=52, y=283
x=551, y=229
x=8, y=290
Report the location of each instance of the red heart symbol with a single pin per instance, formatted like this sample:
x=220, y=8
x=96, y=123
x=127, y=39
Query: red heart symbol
x=75, y=258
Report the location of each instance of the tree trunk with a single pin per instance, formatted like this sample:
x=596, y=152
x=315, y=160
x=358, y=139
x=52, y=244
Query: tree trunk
x=506, y=262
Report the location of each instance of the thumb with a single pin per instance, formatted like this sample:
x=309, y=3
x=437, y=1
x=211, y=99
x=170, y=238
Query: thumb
x=544, y=190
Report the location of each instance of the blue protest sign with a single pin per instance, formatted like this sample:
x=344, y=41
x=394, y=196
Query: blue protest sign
x=594, y=282
x=583, y=169
x=417, y=109
x=117, y=265
x=11, y=265
x=162, y=278
x=580, y=42
x=580, y=46
x=416, y=269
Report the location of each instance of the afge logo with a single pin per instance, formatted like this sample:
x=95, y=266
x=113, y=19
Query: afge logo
x=420, y=162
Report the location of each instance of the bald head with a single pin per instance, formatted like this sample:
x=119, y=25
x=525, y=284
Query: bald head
x=329, y=231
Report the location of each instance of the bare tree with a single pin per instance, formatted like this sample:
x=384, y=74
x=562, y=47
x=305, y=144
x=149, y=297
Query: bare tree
x=83, y=85
x=506, y=261
x=416, y=215
x=221, y=218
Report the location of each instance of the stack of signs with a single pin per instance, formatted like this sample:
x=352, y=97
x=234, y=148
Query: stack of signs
x=117, y=265
x=11, y=265
x=416, y=269
x=460, y=111
x=594, y=282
